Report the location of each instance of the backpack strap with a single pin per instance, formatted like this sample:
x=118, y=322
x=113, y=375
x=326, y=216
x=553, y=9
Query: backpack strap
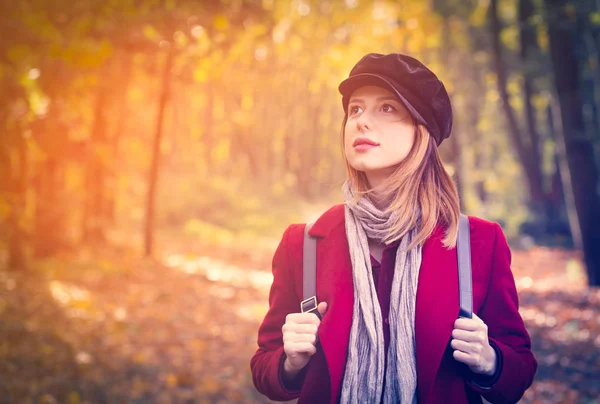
x=463, y=248
x=463, y=251
x=309, y=273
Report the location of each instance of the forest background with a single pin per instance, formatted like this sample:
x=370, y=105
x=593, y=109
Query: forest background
x=153, y=151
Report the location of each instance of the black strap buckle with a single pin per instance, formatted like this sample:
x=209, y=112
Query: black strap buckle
x=310, y=306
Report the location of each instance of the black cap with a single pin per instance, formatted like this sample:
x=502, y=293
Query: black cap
x=417, y=87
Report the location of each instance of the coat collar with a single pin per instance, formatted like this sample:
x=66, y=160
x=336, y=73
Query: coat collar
x=436, y=303
x=335, y=216
x=328, y=221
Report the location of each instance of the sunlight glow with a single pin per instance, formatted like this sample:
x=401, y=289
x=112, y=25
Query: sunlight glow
x=120, y=314
x=412, y=23
x=261, y=53
x=351, y=3
x=304, y=9
x=197, y=31
x=83, y=358
x=66, y=294
x=218, y=271
x=34, y=74
x=525, y=283
x=254, y=312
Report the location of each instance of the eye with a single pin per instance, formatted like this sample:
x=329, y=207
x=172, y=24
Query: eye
x=388, y=108
x=353, y=109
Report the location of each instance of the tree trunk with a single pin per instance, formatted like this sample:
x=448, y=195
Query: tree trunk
x=125, y=69
x=18, y=182
x=560, y=195
x=578, y=147
x=532, y=172
x=207, y=126
x=589, y=51
x=481, y=160
x=48, y=216
x=311, y=150
x=93, y=219
x=155, y=163
x=528, y=46
x=454, y=141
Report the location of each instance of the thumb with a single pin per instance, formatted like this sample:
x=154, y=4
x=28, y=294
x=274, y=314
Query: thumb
x=476, y=318
x=322, y=308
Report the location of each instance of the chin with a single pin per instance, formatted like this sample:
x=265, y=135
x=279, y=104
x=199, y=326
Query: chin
x=365, y=163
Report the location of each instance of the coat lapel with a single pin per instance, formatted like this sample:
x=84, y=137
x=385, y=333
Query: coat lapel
x=437, y=306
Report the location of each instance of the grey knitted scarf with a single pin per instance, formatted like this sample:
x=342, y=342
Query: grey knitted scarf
x=365, y=365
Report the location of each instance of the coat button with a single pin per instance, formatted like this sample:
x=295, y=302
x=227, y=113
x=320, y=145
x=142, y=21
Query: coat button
x=387, y=321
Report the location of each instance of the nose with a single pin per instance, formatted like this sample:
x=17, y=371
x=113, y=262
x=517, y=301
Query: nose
x=363, y=122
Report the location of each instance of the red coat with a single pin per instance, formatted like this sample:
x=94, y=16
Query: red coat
x=440, y=378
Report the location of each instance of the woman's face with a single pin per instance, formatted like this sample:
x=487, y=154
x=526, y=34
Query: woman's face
x=379, y=132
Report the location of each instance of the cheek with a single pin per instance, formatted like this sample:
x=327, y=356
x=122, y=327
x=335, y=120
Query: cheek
x=406, y=139
x=400, y=145
x=347, y=140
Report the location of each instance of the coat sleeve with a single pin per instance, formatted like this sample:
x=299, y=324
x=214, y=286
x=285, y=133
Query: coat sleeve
x=506, y=330
x=266, y=364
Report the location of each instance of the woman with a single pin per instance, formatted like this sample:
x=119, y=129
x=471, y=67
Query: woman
x=387, y=277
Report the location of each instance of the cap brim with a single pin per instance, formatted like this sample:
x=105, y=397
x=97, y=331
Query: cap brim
x=351, y=84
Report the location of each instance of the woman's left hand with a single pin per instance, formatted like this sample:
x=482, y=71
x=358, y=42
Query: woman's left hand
x=472, y=346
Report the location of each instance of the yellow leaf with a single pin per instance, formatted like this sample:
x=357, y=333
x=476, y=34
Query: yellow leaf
x=151, y=33
x=221, y=23
x=4, y=208
x=171, y=380
x=47, y=399
x=18, y=53
x=140, y=358
x=199, y=345
x=210, y=385
x=200, y=75
x=247, y=102
x=221, y=151
x=73, y=398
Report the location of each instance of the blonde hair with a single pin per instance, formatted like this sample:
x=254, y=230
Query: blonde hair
x=421, y=182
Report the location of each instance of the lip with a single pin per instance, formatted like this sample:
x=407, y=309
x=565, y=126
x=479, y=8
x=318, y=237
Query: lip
x=362, y=143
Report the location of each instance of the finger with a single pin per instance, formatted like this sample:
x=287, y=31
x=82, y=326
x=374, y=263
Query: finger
x=464, y=358
x=322, y=308
x=468, y=336
x=299, y=328
x=297, y=338
x=467, y=324
x=466, y=347
x=303, y=347
x=302, y=318
x=476, y=317
x=292, y=337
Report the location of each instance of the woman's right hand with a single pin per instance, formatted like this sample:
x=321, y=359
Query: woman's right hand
x=300, y=340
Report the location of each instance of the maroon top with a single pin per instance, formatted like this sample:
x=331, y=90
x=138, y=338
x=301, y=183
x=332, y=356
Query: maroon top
x=383, y=275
